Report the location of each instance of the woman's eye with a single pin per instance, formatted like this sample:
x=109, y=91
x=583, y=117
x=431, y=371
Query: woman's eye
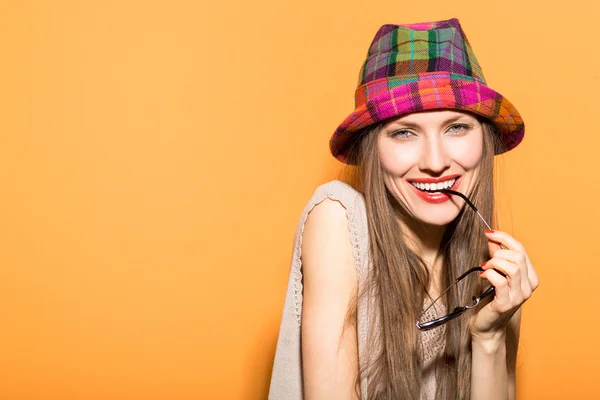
x=458, y=128
x=401, y=134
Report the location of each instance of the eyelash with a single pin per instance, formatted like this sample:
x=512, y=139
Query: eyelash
x=397, y=133
x=464, y=127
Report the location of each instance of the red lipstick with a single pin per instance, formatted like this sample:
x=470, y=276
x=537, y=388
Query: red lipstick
x=438, y=197
x=434, y=180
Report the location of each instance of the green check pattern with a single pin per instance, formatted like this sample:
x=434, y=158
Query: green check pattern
x=426, y=66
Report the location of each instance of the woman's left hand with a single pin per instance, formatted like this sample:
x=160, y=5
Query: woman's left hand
x=511, y=291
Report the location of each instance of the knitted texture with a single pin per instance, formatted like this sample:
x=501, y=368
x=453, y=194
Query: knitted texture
x=286, y=379
x=418, y=67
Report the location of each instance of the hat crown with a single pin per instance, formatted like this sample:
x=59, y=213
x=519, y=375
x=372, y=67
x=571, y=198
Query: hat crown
x=420, y=67
x=400, y=50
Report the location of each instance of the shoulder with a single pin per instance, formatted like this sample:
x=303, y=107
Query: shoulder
x=327, y=213
x=325, y=234
x=333, y=231
x=337, y=211
x=326, y=237
x=343, y=194
x=337, y=188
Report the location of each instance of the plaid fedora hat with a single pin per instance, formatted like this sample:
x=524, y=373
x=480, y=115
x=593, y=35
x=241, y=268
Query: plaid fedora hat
x=424, y=66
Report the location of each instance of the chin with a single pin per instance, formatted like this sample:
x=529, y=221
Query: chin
x=437, y=217
x=437, y=222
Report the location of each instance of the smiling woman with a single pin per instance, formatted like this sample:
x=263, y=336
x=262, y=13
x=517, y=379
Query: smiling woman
x=426, y=148
x=369, y=260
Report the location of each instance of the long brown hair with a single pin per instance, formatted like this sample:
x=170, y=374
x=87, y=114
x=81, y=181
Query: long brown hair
x=398, y=280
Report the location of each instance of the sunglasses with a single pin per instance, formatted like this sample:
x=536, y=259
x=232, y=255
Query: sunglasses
x=457, y=311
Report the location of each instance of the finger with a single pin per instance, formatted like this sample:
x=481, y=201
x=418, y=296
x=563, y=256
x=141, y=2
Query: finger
x=528, y=273
x=505, y=239
x=512, y=244
x=508, y=255
x=502, y=291
x=493, y=247
x=511, y=270
x=520, y=260
x=532, y=274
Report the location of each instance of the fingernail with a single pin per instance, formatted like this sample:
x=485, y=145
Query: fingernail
x=483, y=265
x=489, y=231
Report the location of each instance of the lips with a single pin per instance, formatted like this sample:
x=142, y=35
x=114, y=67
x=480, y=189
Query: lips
x=438, y=197
x=435, y=180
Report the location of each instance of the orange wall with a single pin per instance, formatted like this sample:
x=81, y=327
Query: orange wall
x=155, y=157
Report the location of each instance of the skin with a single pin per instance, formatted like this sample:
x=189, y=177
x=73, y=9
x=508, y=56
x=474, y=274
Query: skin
x=429, y=145
x=418, y=145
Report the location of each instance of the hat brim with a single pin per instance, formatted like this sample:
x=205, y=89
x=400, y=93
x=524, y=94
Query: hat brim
x=395, y=96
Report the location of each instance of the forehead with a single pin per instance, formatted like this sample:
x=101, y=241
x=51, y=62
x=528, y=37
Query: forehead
x=436, y=117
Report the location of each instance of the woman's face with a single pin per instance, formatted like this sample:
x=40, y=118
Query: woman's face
x=427, y=149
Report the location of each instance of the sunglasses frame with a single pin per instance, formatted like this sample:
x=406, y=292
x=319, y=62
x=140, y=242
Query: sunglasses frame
x=425, y=326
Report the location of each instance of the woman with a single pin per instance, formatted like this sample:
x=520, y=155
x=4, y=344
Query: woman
x=370, y=262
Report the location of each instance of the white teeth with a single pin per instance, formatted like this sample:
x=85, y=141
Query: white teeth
x=434, y=186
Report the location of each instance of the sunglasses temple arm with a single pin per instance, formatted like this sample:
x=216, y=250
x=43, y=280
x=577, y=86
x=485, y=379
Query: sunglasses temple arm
x=487, y=292
x=465, y=198
x=484, y=221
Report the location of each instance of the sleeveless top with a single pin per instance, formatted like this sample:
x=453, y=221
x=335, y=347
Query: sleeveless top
x=286, y=378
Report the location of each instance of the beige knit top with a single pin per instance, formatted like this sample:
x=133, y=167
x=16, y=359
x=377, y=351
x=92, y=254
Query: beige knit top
x=286, y=379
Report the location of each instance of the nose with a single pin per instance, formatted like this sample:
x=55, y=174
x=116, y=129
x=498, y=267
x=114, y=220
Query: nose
x=434, y=158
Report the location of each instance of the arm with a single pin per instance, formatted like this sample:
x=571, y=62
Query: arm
x=495, y=327
x=329, y=341
x=493, y=371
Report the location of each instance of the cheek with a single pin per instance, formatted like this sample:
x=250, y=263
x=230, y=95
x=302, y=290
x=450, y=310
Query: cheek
x=395, y=160
x=468, y=152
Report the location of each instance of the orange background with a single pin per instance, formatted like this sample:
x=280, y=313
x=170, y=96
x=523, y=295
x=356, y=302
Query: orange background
x=155, y=157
